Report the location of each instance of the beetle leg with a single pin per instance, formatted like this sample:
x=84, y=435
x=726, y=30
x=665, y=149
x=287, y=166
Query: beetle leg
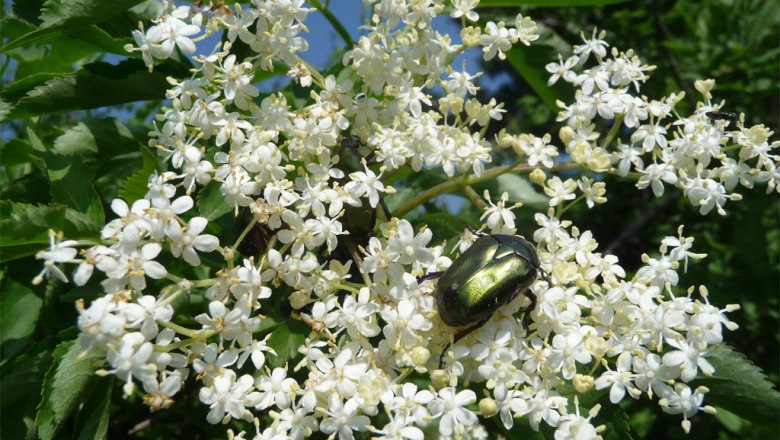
x=527, y=313
x=460, y=335
x=429, y=276
x=385, y=209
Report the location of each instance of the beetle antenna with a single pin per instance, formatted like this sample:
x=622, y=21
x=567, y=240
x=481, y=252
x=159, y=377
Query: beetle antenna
x=443, y=352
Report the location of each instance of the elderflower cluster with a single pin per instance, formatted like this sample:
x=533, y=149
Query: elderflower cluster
x=373, y=319
x=706, y=154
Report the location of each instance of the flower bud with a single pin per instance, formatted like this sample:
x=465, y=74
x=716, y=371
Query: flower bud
x=583, y=383
x=538, y=176
x=488, y=407
x=420, y=355
x=440, y=379
x=566, y=134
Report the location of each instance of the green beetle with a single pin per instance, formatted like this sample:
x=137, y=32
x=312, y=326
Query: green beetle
x=489, y=274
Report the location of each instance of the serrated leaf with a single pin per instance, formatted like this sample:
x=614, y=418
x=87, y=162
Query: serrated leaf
x=741, y=387
x=285, y=340
x=96, y=85
x=616, y=422
x=136, y=186
x=55, y=12
x=71, y=184
x=63, y=388
x=20, y=308
x=18, y=404
x=77, y=139
x=15, y=151
x=94, y=415
x=65, y=17
x=25, y=228
x=611, y=415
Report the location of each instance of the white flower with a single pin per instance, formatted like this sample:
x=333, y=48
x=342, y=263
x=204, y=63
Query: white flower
x=618, y=381
x=228, y=397
x=59, y=252
x=298, y=422
x=595, y=45
x=500, y=219
x=683, y=401
x=408, y=246
x=397, y=430
x=342, y=418
x=496, y=40
x=411, y=404
x=538, y=150
x=658, y=271
x=131, y=358
x=559, y=190
x=562, y=69
x=404, y=323
x=358, y=315
x=465, y=8
x=365, y=182
x=275, y=388
x=687, y=359
x=450, y=406
x=576, y=427
x=185, y=242
x=341, y=374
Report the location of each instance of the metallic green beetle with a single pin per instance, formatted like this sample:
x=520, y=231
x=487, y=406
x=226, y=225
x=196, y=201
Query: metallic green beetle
x=488, y=275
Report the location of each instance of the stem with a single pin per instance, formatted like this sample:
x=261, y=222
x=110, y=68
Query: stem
x=612, y=131
x=474, y=197
x=243, y=234
x=337, y=26
x=185, y=342
x=563, y=209
x=318, y=78
x=452, y=185
x=179, y=329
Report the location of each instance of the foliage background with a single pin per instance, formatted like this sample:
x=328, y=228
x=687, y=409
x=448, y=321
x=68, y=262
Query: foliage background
x=74, y=124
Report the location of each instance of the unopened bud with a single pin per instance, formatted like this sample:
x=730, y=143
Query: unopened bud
x=583, y=383
x=488, y=407
x=440, y=379
x=538, y=176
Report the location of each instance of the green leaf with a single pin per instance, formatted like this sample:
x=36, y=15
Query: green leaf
x=65, y=17
x=25, y=228
x=615, y=420
x=15, y=151
x=393, y=201
x=135, y=186
x=63, y=388
x=444, y=226
x=519, y=189
x=285, y=340
x=211, y=203
x=529, y=62
x=547, y=3
x=740, y=387
x=76, y=140
x=20, y=308
x=612, y=416
x=71, y=184
x=19, y=385
x=95, y=85
x=94, y=415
